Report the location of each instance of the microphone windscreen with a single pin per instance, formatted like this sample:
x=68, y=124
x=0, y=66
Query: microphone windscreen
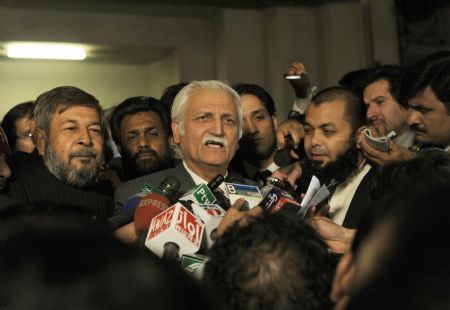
x=149, y=206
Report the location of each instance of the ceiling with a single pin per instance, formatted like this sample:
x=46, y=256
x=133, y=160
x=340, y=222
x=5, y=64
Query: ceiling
x=176, y=8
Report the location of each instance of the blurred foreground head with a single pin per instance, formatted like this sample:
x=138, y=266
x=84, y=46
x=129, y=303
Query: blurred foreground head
x=403, y=262
x=276, y=262
x=64, y=260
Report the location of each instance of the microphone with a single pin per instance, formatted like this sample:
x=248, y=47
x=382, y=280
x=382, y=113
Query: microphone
x=276, y=199
x=250, y=193
x=199, y=194
x=154, y=203
x=282, y=157
x=174, y=232
x=193, y=264
x=211, y=215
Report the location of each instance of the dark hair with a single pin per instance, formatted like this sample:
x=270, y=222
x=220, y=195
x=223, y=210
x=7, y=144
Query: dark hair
x=354, y=111
x=353, y=80
x=134, y=105
x=391, y=73
x=55, y=261
x=58, y=100
x=19, y=111
x=276, y=262
x=414, y=270
x=432, y=71
x=259, y=92
x=170, y=93
x=389, y=177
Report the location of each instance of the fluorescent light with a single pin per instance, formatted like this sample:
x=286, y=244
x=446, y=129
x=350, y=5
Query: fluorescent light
x=46, y=51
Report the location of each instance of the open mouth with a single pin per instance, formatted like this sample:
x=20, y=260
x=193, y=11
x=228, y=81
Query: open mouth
x=214, y=144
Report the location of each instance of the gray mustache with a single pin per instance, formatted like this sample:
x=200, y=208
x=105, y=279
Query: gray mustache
x=84, y=153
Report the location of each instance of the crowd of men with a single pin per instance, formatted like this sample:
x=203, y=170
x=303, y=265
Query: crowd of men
x=67, y=172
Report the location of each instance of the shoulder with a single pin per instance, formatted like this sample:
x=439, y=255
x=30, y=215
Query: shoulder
x=131, y=187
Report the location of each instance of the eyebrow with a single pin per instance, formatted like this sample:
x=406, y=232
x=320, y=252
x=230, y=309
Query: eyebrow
x=143, y=129
x=378, y=97
x=321, y=125
x=257, y=111
x=73, y=121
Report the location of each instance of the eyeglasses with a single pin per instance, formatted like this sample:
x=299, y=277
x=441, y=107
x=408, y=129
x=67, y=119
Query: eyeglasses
x=4, y=146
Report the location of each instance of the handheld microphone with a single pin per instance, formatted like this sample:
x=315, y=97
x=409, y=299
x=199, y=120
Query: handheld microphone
x=211, y=215
x=154, y=203
x=221, y=200
x=250, y=193
x=276, y=200
x=199, y=194
x=174, y=232
x=126, y=215
x=132, y=202
x=193, y=264
x=282, y=157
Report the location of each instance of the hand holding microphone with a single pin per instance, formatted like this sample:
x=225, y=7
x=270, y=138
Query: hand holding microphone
x=234, y=214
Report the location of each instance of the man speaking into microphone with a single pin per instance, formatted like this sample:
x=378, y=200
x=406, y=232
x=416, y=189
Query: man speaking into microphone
x=206, y=124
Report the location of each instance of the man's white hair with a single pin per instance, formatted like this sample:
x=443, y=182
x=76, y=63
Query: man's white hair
x=179, y=103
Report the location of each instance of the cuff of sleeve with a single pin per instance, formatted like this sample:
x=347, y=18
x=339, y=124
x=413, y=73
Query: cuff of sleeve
x=301, y=104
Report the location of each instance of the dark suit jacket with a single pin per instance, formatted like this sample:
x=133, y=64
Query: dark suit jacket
x=360, y=201
x=127, y=189
x=32, y=182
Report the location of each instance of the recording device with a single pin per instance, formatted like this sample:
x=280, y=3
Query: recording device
x=154, y=203
x=292, y=76
x=250, y=193
x=211, y=215
x=126, y=215
x=380, y=143
x=193, y=264
x=284, y=185
x=199, y=194
x=276, y=199
x=174, y=232
x=282, y=157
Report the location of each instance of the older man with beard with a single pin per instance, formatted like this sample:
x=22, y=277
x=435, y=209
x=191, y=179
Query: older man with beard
x=69, y=134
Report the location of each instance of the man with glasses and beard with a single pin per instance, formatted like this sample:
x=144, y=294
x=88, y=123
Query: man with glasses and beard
x=331, y=125
x=69, y=134
x=140, y=127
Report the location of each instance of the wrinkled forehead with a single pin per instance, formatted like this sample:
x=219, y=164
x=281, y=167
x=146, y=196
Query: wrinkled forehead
x=210, y=99
x=4, y=145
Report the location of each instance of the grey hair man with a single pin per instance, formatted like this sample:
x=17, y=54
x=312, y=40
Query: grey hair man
x=69, y=135
x=206, y=124
x=70, y=132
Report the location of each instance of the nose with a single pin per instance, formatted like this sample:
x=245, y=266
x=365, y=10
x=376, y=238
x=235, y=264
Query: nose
x=413, y=118
x=143, y=141
x=249, y=127
x=316, y=139
x=85, y=137
x=5, y=171
x=372, y=111
x=217, y=127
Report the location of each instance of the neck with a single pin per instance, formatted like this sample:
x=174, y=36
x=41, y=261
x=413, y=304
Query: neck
x=206, y=172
